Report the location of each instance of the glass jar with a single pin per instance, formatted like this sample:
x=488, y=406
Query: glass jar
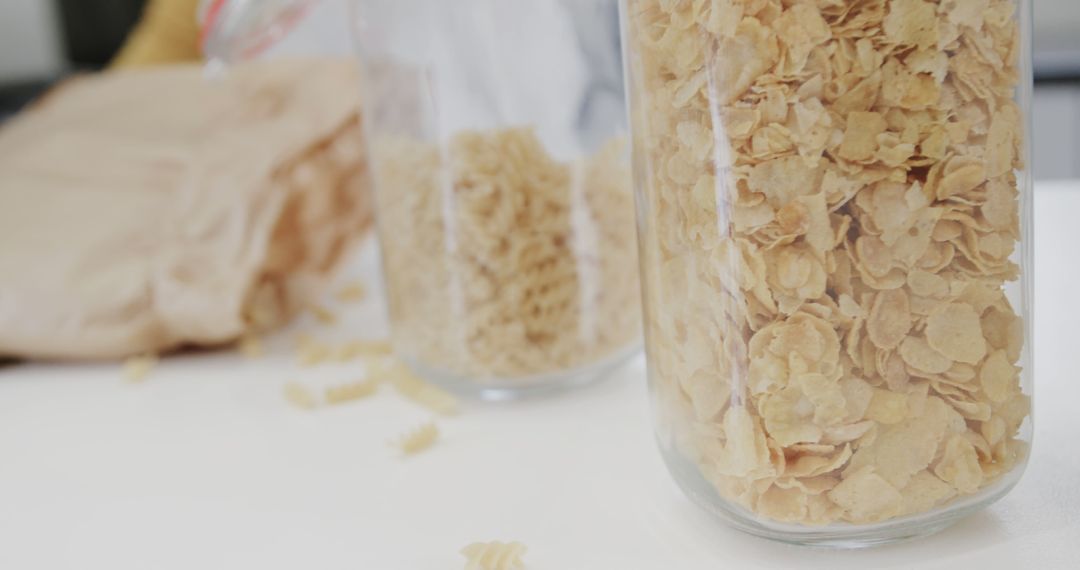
x=503, y=189
x=834, y=213
x=497, y=137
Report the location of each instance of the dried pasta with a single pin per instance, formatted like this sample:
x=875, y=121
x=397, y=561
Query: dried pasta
x=363, y=348
x=350, y=392
x=521, y=265
x=137, y=368
x=416, y=389
x=310, y=352
x=494, y=556
x=250, y=345
x=419, y=439
x=300, y=396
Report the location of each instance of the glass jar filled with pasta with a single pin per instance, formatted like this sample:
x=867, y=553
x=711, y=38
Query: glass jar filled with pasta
x=497, y=138
x=835, y=219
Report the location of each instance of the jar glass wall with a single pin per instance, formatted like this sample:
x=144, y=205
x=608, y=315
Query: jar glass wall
x=835, y=222
x=505, y=208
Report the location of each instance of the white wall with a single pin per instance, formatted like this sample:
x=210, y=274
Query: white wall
x=1057, y=17
x=29, y=40
x=1057, y=37
x=1057, y=132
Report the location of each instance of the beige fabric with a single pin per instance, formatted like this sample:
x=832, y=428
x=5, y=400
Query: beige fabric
x=144, y=210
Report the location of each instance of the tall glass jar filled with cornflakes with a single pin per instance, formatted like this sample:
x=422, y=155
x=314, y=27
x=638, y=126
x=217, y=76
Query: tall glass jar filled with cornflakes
x=835, y=221
x=503, y=188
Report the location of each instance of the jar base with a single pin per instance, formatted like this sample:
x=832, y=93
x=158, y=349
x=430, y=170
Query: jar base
x=839, y=536
x=507, y=389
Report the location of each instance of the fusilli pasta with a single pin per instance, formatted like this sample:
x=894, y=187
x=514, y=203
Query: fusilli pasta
x=410, y=386
x=312, y=353
x=250, y=345
x=137, y=368
x=300, y=396
x=359, y=348
x=350, y=392
x=503, y=263
x=419, y=439
x=494, y=555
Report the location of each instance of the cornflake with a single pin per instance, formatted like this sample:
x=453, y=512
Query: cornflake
x=832, y=193
x=959, y=465
x=861, y=139
x=956, y=333
x=866, y=497
x=890, y=319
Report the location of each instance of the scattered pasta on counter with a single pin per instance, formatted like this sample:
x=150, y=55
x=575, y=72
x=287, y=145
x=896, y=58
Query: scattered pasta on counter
x=494, y=555
x=250, y=345
x=419, y=439
x=351, y=392
x=362, y=348
x=418, y=390
x=380, y=366
x=300, y=396
x=313, y=353
x=138, y=368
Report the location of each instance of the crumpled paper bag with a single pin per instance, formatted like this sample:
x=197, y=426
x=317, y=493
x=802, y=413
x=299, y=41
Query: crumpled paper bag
x=146, y=210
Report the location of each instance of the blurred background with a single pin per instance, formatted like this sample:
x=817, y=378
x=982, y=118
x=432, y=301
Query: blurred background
x=43, y=40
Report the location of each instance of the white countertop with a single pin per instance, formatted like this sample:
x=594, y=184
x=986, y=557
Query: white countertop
x=205, y=466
